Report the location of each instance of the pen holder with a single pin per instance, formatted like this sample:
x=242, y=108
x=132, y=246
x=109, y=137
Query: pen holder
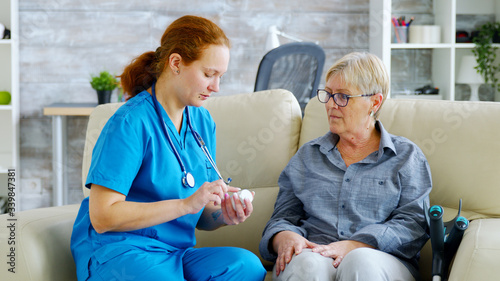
x=400, y=34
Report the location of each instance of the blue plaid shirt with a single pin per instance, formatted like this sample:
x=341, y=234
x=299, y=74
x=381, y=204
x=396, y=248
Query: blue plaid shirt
x=378, y=201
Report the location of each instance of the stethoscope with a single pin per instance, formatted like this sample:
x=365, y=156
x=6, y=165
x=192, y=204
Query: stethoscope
x=187, y=177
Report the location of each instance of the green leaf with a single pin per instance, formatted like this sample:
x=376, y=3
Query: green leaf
x=103, y=82
x=485, y=53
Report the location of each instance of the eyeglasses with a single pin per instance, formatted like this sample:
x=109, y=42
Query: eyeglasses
x=339, y=98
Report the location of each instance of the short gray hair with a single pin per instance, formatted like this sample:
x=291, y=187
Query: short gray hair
x=364, y=71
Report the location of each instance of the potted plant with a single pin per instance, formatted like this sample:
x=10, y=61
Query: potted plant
x=485, y=53
x=104, y=84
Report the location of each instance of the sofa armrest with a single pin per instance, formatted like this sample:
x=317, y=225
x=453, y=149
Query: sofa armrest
x=478, y=256
x=40, y=242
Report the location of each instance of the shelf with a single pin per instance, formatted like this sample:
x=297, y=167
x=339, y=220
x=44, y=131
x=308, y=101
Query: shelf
x=471, y=45
x=4, y=171
x=419, y=97
x=5, y=41
x=420, y=46
x=409, y=64
x=436, y=46
x=5, y=160
x=464, y=45
x=5, y=107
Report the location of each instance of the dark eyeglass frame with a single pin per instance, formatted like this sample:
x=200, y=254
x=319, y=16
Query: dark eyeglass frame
x=336, y=97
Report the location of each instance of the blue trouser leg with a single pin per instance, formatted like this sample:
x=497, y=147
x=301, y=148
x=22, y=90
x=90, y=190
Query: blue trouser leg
x=197, y=264
x=222, y=263
x=137, y=265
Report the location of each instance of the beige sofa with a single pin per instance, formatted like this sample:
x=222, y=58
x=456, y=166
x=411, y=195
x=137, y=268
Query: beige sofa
x=259, y=132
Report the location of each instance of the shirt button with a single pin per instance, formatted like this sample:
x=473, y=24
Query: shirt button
x=343, y=206
x=341, y=233
x=347, y=180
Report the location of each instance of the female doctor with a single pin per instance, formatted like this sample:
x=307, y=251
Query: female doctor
x=151, y=184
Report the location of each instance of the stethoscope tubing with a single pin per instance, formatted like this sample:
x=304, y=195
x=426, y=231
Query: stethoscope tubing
x=197, y=138
x=203, y=147
x=165, y=130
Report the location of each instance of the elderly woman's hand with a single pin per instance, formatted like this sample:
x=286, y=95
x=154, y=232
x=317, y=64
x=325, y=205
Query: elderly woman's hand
x=286, y=244
x=338, y=250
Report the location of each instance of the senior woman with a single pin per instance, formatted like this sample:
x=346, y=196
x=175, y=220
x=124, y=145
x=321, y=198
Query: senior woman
x=351, y=203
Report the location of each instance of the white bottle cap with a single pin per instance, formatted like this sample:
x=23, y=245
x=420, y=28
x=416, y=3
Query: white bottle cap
x=243, y=194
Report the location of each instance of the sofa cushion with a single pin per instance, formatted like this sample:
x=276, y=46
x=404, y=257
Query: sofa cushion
x=315, y=121
x=261, y=127
x=461, y=143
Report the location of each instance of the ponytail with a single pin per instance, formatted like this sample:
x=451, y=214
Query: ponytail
x=187, y=36
x=139, y=75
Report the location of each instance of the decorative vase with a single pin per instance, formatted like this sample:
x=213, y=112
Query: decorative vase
x=103, y=96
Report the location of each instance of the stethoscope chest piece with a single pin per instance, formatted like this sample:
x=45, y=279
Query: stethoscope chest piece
x=188, y=180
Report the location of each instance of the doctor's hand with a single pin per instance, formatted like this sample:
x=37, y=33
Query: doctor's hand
x=286, y=244
x=238, y=214
x=209, y=192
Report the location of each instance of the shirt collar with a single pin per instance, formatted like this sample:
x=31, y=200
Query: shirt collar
x=385, y=139
x=329, y=141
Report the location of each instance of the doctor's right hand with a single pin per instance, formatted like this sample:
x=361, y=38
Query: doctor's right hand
x=208, y=192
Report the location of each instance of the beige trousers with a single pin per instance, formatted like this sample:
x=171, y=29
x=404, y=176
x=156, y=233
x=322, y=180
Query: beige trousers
x=363, y=264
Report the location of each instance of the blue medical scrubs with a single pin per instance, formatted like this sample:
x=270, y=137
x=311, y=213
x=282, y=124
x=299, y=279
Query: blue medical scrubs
x=132, y=156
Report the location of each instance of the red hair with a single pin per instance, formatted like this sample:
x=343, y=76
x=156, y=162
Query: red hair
x=187, y=36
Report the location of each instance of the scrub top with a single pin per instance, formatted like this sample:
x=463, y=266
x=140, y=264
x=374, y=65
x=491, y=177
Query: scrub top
x=133, y=156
